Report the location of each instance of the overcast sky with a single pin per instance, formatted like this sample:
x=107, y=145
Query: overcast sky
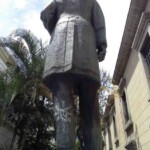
x=26, y=14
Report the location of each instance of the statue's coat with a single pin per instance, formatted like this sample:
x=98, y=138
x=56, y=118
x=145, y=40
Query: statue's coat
x=77, y=28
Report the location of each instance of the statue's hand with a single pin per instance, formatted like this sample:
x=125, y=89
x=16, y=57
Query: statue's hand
x=101, y=53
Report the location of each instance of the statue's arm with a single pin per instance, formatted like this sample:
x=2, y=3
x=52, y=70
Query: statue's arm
x=49, y=17
x=98, y=22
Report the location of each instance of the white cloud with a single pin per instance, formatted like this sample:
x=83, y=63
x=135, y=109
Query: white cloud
x=10, y=15
x=22, y=14
x=6, y=29
x=115, y=13
x=32, y=21
x=4, y=6
x=7, y=6
x=26, y=14
x=20, y=4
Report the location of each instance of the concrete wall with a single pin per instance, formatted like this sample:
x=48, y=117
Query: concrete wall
x=121, y=136
x=137, y=90
x=5, y=138
x=106, y=140
x=4, y=59
x=120, y=122
x=138, y=94
x=3, y=66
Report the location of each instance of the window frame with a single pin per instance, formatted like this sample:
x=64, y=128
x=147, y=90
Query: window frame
x=140, y=37
x=125, y=107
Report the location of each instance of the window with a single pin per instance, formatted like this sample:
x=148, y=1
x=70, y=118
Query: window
x=131, y=145
x=109, y=139
x=125, y=107
x=115, y=129
x=145, y=50
x=115, y=132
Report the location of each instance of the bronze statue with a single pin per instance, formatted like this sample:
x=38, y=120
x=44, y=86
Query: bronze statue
x=78, y=41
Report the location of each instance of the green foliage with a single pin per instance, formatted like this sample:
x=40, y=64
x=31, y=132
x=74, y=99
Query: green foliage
x=29, y=52
x=2, y=87
x=22, y=88
x=10, y=83
x=104, y=90
x=33, y=122
x=30, y=103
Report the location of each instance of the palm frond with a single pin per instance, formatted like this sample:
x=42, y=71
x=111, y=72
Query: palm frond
x=28, y=53
x=16, y=50
x=36, y=51
x=11, y=83
x=33, y=44
x=2, y=87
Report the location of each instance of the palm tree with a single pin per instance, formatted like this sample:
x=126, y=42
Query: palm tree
x=25, y=81
x=29, y=55
x=25, y=91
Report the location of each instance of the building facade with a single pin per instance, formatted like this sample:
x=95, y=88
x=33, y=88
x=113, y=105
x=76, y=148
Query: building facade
x=127, y=122
x=6, y=133
x=5, y=59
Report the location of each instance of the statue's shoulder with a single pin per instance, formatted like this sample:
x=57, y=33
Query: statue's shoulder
x=64, y=1
x=59, y=1
x=91, y=2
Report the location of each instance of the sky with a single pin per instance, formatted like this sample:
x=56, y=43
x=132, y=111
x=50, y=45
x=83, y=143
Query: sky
x=26, y=14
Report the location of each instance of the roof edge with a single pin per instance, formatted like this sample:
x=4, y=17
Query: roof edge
x=134, y=14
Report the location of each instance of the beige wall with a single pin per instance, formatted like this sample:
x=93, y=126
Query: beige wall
x=106, y=140
x=137, y=91
x=121, y=136
x=138, y=94
x=120, y=122
x=3, y=66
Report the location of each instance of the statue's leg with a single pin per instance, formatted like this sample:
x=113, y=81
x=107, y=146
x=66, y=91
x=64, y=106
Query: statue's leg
x=64, y=115
x=90, y=119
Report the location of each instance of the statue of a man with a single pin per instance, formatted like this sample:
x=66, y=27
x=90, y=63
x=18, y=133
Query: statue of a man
x=78, y=41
